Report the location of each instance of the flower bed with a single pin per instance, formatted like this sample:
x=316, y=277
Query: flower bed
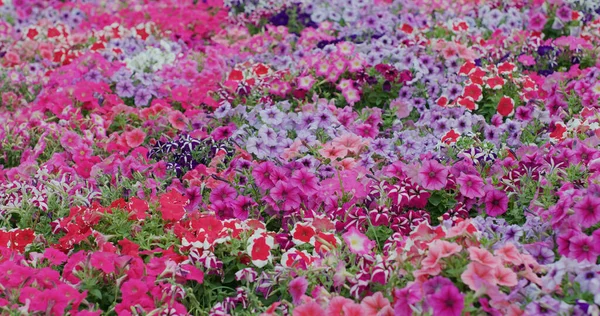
x=296, y=157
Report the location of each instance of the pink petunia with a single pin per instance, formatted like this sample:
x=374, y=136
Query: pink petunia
x=286, y=196
x=135, y=137
x=358, y=242
x=448, y=301
x=309, y=309
x=376, y=304
x=178, y=120
x=477, y=275
x=537, y=22
x=297, y=288
x=433, y=175
x=587, y=211
x=306, y=181
x=483, y=256
x=496, y=202
x=471, y=185
x=582, y=248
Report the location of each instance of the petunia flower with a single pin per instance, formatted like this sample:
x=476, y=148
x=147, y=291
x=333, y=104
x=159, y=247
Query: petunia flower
x=433, y=175
x=448, y=301
x=496, y=202
x=297, y=287
x=358, y=242
x=471, y=186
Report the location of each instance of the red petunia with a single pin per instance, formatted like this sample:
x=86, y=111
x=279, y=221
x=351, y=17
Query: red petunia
x=172, y=205
x=473, y=91
x=302, y=233
x=506, y=106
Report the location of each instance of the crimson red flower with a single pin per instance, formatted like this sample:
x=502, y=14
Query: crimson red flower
x=302, y=233
x=172, y=205
x=506, y=106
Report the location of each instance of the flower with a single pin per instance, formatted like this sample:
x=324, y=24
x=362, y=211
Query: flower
x=309, y=309
x=306, y=181
x=297, y=287
x=433, y=175
x=587, y=211
x=476, y=275
x=178, y=120
x=358, y=243
x=286, y=196
x=537, y=22
x=496, y=202
x=376, y=304
x=471, y=185
x=135, y=137
x=582, y=248
x=448, y=301
x=259, y=248
x=506, y=106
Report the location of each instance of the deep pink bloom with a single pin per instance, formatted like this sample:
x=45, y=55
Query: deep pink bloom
x=54, y=256
x=286, y=196
x=582, y=248
x=262, y=175
x=223, y=193
x=537, y=22
x=433, y=175
x=306, y=181
x=448, y=301
x=133, y=288
x=587, y=211
x=297, y=288
x=471, y=185
x=564, y=241
x=496, y=202
x=104, y=261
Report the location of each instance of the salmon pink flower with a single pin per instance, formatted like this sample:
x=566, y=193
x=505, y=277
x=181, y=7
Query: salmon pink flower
x=505, y=276
x=309, y=309
x=477, y=275
x=358, y=242
x=135, y=137
x=333, y=152
x=376, y=305
x=483, y=256
x=178, y=120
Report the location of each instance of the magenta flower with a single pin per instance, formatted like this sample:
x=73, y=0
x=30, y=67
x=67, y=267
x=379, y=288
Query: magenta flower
x=582, y=248
x=286, y=196
x=448, y=301
x=471, y=185
x=433, y=175
x=305, y=181
x=587, y=211
x=358, y=242
x=297, y=288
x=223, y=193
x=496, y=202
x=537, y=22
x=262, y=175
